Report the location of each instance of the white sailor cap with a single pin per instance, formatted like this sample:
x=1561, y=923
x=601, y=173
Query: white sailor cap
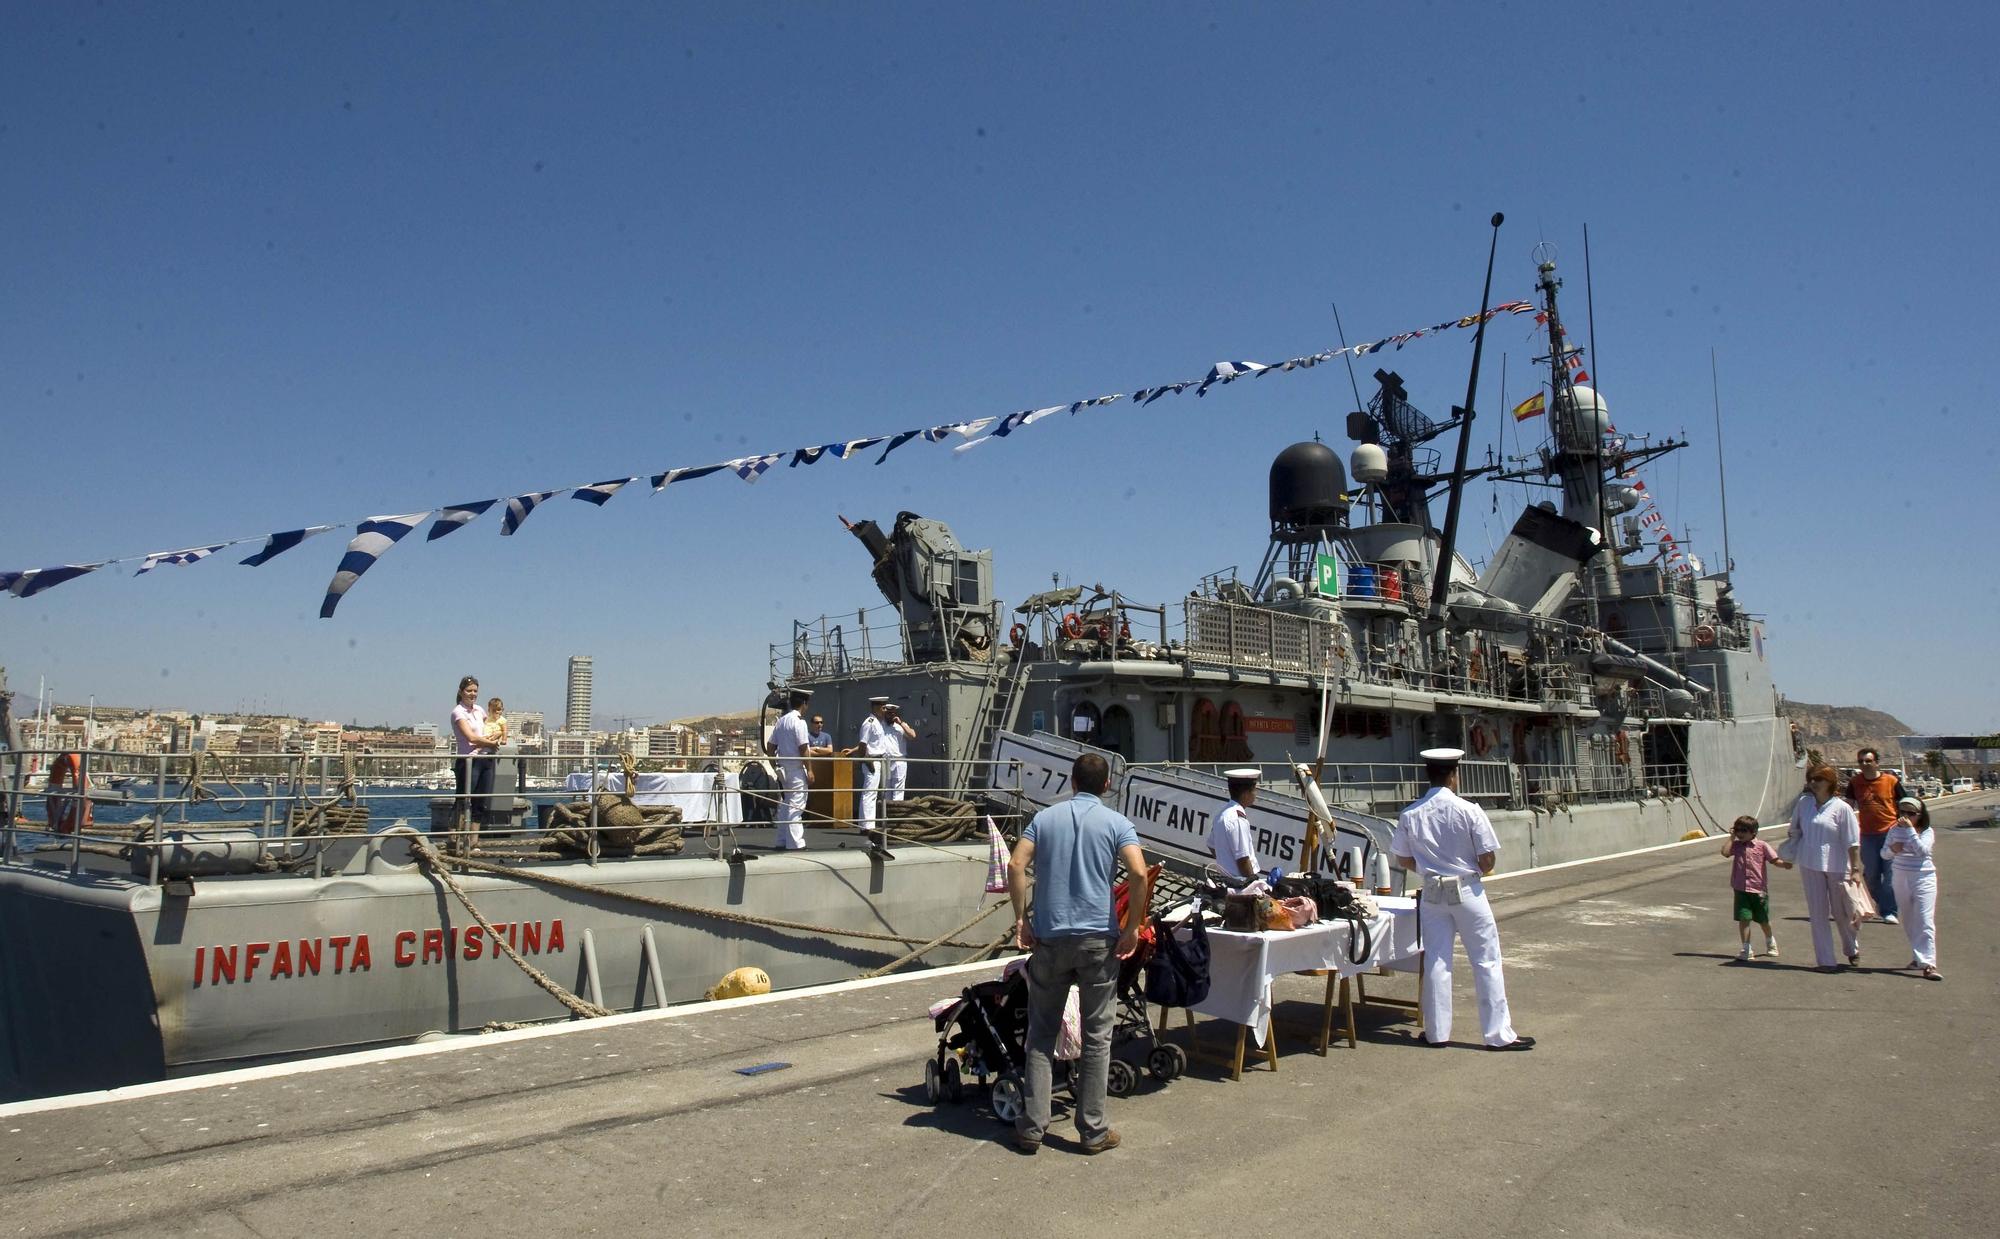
x=878, y=701
x=1442, y=755
x=1909, y=802
x=1243, y=774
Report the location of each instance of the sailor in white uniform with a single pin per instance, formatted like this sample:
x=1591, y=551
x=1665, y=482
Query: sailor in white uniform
x=790, y=743
x=1450, y=843
x=1231, y=840
x=896, y=737
x=873, y=746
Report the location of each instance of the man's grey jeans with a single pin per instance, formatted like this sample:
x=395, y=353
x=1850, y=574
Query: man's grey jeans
x=1090, y=964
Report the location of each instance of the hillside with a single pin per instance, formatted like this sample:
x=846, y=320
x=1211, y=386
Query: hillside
x=706, y=723
x=1837, y=731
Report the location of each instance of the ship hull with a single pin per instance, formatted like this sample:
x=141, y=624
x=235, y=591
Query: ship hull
x=107, y=981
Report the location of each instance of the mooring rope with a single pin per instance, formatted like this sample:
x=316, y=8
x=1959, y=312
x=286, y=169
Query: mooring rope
x=434, y=864
x=671, y=905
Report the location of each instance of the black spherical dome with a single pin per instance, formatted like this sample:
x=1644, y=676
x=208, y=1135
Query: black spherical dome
x=1308, y=486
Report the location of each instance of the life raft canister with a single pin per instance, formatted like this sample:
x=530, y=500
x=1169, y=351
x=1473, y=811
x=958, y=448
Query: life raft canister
x=67, y=815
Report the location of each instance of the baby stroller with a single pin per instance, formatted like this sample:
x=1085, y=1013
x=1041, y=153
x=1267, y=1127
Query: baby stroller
x=983, y=1035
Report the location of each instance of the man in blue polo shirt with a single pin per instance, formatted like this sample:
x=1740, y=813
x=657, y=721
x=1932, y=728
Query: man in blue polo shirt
x=1075, y=937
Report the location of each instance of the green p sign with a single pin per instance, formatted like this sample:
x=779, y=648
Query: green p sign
x=1326, y=577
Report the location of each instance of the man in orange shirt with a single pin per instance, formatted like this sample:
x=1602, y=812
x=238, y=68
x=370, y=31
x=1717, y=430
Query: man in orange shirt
x=1874, y=794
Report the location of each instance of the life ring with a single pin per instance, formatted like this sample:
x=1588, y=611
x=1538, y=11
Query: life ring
x=1017, y=636
x=1622, y=747
x=1478, y=740
x=1072, y=626
x=1704, y=635
x=66, y=815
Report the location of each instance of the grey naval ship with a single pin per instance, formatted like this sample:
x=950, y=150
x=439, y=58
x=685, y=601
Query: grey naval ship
x=1606, y=701
x=1609, y=694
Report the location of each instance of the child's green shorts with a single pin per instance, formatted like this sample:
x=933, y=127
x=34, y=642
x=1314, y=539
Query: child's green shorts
x=1751, y=906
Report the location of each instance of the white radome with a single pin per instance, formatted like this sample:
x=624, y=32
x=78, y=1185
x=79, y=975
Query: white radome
x=1369, y=463
x=1588, y=414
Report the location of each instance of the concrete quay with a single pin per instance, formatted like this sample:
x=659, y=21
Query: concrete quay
x=1675, y=1092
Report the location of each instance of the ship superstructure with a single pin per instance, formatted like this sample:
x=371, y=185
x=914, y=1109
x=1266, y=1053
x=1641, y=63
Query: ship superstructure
x=1607, y=698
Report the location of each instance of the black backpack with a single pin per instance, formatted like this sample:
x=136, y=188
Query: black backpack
x=1177, y=975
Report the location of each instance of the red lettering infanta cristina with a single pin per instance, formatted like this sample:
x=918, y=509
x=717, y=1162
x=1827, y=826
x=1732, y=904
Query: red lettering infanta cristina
x=340, y=954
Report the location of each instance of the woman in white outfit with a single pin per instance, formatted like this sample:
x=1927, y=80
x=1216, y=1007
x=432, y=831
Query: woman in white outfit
x=1907, y=848
x=1827, y=837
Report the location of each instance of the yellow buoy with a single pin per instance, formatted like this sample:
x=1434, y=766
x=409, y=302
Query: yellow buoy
x=741, y=983
x=1694, y=834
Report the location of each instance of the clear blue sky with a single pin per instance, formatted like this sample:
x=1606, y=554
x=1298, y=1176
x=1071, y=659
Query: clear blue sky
x=267, y=269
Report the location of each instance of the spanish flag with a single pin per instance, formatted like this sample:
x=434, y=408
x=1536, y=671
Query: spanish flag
x=1533, y=406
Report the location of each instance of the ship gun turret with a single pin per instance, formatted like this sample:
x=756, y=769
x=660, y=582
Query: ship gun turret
x=943, y=591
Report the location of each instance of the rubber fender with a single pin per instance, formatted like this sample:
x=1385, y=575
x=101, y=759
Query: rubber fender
x=740, y=984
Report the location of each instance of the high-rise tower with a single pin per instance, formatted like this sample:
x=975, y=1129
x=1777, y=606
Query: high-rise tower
x=576, y=711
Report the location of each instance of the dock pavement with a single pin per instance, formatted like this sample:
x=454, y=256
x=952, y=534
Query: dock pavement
x=1674, y=1092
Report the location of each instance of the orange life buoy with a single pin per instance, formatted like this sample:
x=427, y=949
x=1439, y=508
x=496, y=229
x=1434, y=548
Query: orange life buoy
x=66, y=815
x=1623, y=748
x=1017, y=636
x=1704, y=635
x=1072, y=626
x=1478, y=740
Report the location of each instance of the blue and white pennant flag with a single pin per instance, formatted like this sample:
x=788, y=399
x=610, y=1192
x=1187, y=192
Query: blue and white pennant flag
x=1229, y=372
x=750, y=468
x=663, y=480
x=599, y=493
x=278, y=543
x=374, y=536
x=457, y=516
x=1009, y=424
x=520, y=506
x=33, y=581
x=192, y=555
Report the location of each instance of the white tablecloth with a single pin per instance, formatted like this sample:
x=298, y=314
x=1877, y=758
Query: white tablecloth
x=1399, y=952
x=692, y=792
x=1242, y=965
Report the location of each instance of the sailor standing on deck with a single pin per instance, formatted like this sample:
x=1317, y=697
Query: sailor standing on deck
x=874, y=744
x=1231, y=840
x=896, y=737
x=790, y=743
x=1450, y=843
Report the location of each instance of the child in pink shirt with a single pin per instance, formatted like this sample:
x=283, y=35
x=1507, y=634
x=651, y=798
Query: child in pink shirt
x=1749, y=857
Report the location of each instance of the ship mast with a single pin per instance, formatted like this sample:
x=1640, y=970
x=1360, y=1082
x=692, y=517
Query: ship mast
x=1576, y=432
